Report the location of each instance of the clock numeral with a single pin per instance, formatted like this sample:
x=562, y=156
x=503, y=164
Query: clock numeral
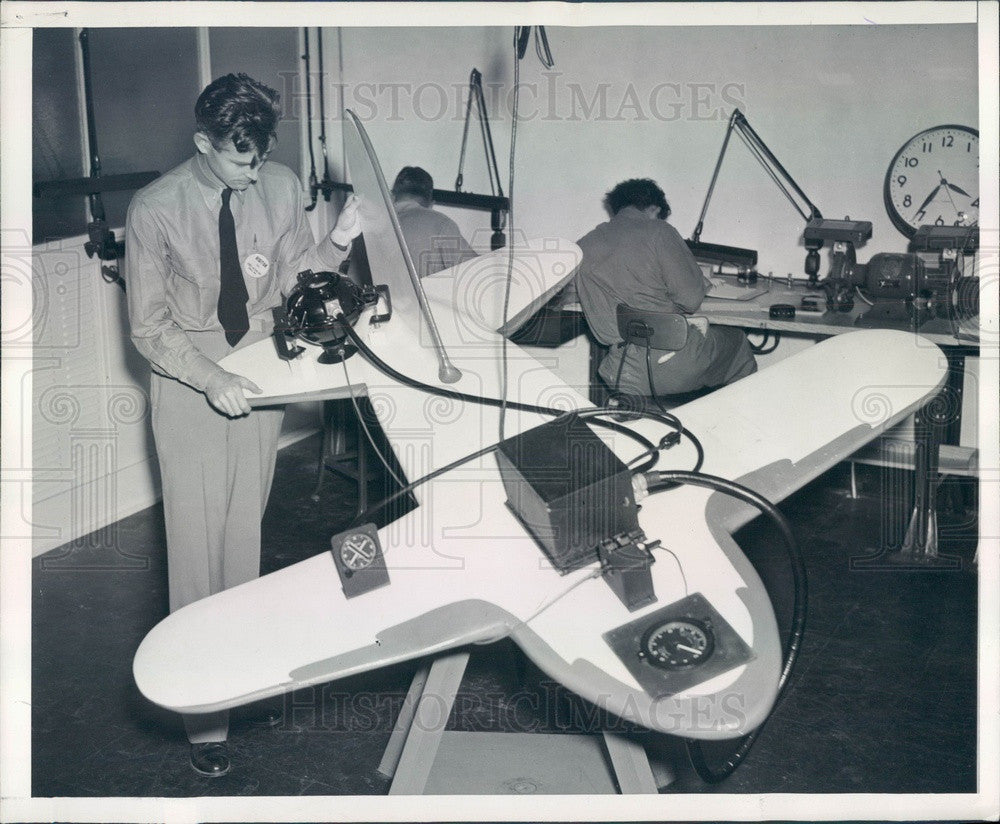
x=948, y=140
x=975, y=203
x=939, y=221
x=911, y=161
x=968, y=147
x=907, y=201
x=927, y=147
x=901, y=180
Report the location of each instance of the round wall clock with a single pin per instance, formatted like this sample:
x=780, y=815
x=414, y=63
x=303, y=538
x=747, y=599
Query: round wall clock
x=934, y=179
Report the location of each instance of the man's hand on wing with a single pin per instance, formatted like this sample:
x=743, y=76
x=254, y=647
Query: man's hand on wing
x=348, y=223
x=225, y=392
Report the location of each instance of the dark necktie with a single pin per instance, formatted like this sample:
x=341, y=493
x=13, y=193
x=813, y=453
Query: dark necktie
x=232, y=289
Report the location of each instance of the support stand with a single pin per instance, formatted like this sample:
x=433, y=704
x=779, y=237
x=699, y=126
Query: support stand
x=921, y=541
x=919, y=547
x=422, y=758
x=335, y=453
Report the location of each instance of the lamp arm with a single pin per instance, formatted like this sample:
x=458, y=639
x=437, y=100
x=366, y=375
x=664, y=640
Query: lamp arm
x=773, y=166
x=696, y=236
x=782, y=179
x=478, y=99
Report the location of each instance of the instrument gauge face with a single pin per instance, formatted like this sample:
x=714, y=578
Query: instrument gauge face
x=677, y=644
x=358, y=551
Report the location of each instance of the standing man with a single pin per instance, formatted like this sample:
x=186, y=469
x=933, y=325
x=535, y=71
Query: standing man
x=639, y=259
x=210, y=248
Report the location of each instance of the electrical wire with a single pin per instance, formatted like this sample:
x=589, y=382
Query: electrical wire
x=542, y=48
x=860, y=294
x=651, y=450
x=649, y=374
x=583, y=414
x=680, y=567
x=366, y=516
x=680, y=432
x=364, y=426
x=659, y=481
x=762, y=348
x=453, y=394
x=510, y=232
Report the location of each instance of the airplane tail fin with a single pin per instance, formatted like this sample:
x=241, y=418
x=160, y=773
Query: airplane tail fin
x=388, y=255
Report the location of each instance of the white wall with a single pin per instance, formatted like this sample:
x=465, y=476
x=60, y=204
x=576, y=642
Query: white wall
x=833, y=103
x=93, y=458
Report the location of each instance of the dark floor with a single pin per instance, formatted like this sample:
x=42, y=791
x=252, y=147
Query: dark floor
x=883, y=699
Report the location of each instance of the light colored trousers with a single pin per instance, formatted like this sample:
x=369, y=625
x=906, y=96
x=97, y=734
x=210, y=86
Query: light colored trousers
x=216, y=474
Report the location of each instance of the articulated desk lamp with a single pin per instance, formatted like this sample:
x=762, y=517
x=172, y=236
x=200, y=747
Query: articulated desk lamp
x=845, y=235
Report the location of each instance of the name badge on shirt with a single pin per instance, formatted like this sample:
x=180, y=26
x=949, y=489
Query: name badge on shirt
x=256, y=265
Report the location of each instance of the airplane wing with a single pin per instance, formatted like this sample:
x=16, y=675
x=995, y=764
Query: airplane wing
x=463, y=569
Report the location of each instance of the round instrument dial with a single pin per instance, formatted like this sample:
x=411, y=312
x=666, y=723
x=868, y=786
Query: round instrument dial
x=675, y=644
x=934, y=180
x=358, y=551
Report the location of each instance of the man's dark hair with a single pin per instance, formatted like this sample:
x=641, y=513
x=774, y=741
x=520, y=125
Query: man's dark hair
x=412, y=181
x=639, y=192
x=238, y=108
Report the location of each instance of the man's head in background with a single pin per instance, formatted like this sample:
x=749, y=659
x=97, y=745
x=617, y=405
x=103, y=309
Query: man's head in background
x=413, y=183
x=642, y=193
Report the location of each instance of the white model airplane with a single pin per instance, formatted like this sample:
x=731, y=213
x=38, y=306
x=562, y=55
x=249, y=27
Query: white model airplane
x=702, y=660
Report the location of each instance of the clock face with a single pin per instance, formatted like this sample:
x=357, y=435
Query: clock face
x=934, y=179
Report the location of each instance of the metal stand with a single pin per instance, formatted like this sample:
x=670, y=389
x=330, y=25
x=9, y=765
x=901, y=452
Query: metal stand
x=919, y=546
x=422, y=758
x=921, y=540
x=336, y=455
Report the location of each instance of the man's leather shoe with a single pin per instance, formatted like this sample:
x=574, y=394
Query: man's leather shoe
x=210, y=760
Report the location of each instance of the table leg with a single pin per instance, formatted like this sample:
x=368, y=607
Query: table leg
x=394, y=749
x=921, y=540
x=629, y=764
x=429, y=720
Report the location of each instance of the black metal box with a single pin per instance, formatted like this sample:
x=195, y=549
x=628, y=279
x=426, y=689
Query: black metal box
x=568, y=489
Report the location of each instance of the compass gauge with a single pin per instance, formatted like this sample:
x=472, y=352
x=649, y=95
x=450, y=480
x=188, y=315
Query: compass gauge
x=677, y=644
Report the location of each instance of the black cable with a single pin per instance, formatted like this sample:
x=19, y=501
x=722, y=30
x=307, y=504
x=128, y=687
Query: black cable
x=510, y=224
x=762, y=348
x=542, y=47
x=651, y=450
x=366, y=516
x=583, y=414
x=453, y=394
x=313, y=182
x=667, y=441
x=663, y=480
x=321, y=71
x=649, y=374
